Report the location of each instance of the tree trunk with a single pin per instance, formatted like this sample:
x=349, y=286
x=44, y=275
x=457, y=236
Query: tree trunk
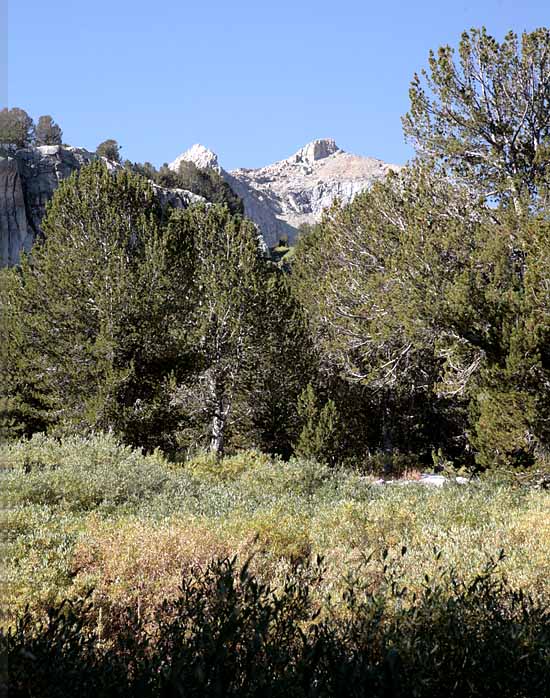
x=219, y=418
x=218, y=433
x=387, y=436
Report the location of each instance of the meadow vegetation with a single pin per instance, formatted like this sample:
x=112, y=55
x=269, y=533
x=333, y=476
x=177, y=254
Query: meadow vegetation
x=117, y=533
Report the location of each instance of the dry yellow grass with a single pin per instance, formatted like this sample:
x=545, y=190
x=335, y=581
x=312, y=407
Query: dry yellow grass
x=140, y=559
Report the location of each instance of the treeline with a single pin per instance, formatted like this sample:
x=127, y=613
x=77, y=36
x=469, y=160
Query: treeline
x=431, y=293
x=18, y=130
x=162, y=327
x=205, y=182
x=414, y=324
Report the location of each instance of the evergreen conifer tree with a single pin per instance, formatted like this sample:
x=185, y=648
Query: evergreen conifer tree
x=485, y=115
x=109, y=149
x=94, y=324
x=320, y=436
x=284, y=362
x=16, y=128
x=48, y=132
x=229, y=278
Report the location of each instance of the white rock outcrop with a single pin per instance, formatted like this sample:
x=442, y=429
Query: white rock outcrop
x=200, y=156
x=278, y=198
x=298, y=189
x=282, y=196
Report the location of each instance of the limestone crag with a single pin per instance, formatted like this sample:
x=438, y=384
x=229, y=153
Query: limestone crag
x=28, y=180
x=282, y=196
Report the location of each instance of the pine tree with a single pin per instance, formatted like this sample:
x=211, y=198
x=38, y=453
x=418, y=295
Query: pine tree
x=109, y=149
x=16, y=128
x=320, y=436
x=439, y=306
x=372, y=280
x=48, y=132
x=96, y=334
x=485, y=115
x=284, y=362
x=229, y=276
x=511, y=407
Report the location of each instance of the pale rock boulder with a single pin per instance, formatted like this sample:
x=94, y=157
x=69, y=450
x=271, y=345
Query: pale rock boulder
x=425, y=480
x=177, y=198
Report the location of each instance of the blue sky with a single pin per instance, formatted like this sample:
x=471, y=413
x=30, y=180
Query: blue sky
x=252, y=80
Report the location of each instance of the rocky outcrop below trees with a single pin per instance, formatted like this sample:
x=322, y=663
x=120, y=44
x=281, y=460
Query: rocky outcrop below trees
x=282, y=196
x=15, y=234
x=28, y=180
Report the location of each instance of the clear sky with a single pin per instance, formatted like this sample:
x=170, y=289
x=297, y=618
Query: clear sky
x=254, y=80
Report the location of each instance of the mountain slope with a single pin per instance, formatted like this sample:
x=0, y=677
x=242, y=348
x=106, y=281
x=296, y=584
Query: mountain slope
x=28, y=180
x=282, y=196
x=278, y=198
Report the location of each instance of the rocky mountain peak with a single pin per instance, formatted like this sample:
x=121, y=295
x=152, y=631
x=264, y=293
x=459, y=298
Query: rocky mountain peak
x=316, y=150
x=279, y=197
x=200, y=156
x=289, y=193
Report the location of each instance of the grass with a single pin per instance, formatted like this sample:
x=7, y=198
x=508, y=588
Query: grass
x=88, y=513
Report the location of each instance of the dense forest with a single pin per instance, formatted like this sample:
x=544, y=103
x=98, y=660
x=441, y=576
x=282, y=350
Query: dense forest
x=173, y=396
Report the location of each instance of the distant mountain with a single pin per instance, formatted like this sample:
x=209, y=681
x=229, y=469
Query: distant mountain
x=278, y=197
x=282, y=196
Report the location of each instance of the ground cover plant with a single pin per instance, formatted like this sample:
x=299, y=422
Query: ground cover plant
x=265, y=573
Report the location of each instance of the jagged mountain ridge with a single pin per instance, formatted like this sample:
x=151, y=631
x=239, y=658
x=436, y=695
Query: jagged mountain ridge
x=278, y=197
x=282, y=196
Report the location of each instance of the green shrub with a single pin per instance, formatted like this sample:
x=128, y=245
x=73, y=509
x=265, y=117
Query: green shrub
x=297, y=477
x=80, y=473
x=228, y=634
x=38, y=549
x=206, y=466
x=88, y=511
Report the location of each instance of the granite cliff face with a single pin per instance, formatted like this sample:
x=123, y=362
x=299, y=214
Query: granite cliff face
x=28, y=180
x=282, y=196
x=15, y=232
